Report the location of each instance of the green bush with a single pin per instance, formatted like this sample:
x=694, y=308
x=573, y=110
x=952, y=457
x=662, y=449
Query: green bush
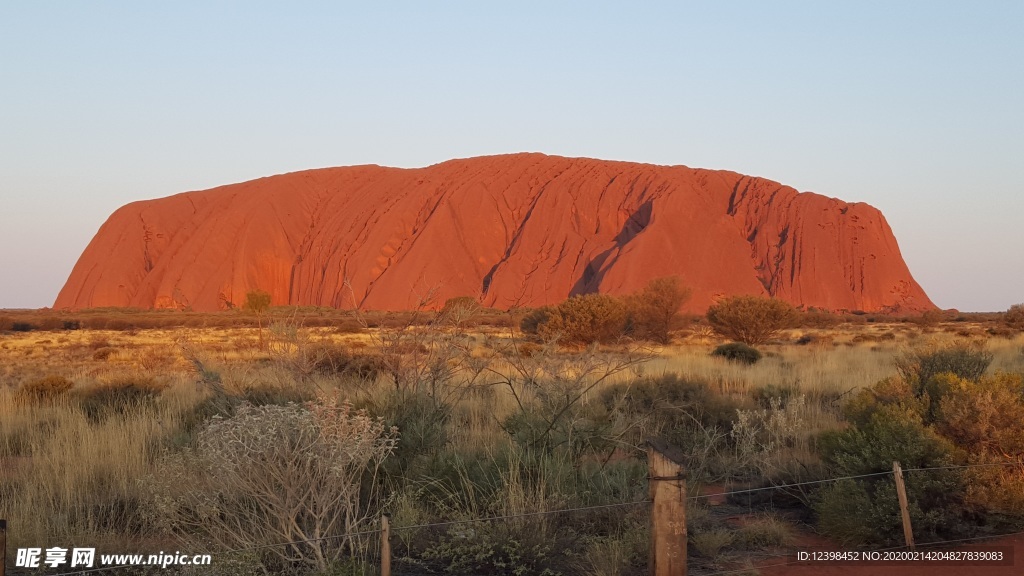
x=763, y=532
x=687, y=413
x=711, y=543
x=865, y=510
x=423, y=423
x=752, y=320
x=481, y=549
x=964, y=360
x=738, y=352
x=585, y=319
x=949, y=420
x=653, y=309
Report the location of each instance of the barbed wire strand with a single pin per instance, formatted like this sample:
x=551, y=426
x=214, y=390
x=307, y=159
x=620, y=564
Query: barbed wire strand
x=781, y=486
x=974, y=539
x=525, y=515
x=955, y=466
x=853, y=477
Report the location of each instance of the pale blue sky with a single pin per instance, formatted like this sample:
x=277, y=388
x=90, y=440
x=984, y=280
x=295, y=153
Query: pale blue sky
x=914, y=107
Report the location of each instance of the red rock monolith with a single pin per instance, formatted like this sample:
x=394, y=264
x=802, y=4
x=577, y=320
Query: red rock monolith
x=512, y=230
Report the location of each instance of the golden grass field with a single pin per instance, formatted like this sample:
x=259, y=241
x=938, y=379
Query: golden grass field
x=67, y=476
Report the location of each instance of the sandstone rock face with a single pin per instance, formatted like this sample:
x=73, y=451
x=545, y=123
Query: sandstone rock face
x=514, y=230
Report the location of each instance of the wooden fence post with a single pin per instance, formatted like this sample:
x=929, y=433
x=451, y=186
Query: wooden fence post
x=668, y=509
x=385, y=545
x=901, y=493
x=3, y=547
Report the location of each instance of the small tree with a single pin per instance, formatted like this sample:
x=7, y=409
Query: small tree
x=1014, y=317
x=656, y=306
x=257, y=302
x=460, y=310
x=752, y=320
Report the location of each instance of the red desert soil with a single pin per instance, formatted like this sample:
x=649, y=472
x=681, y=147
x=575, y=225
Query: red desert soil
x=521, y=229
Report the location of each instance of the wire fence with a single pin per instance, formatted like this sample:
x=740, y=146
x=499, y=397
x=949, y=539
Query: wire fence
x=507, y=517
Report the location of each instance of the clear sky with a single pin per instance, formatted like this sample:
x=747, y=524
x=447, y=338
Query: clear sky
x=914, y=107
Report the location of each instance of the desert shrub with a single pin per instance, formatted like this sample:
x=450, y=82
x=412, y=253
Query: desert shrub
x=485, y=549
x=946, y=419
x=103, y=353
x=276, y=393
x=752, y=320
x=119, y=396
x=842, y=508
x=685, y=412
x=533, y=319
x=763, y=532
x=45, y=389
x=818, y=339
x=764, y=439
x=71, y=324
x=22, y=327
x=423, y=423
x=865, y=510
x=275, y=474
x=1014, y=317
x=1001, y=331
x=711, y=543
x=929, y=318
x=817, y=318
x=653, y=309
x=985, y=419
x=961, y=359
x=737, y=352
x=764, y=395
x=334, y=359
x=618, y=554
x=585, y=319
x=460, y=310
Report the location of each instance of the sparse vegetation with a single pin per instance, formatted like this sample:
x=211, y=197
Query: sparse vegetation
x=99, y=444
